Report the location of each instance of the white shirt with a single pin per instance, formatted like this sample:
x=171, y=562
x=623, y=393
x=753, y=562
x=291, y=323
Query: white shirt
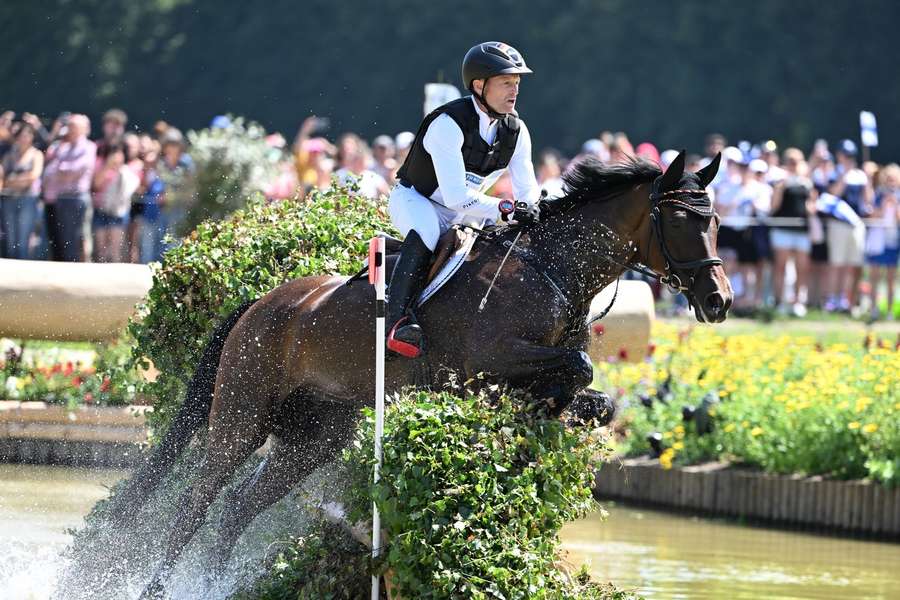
x=743, y=199
x=464, y=192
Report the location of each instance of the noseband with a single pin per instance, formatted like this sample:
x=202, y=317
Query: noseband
x=679, y=275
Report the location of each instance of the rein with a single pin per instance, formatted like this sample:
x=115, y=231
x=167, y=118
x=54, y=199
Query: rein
x=674, y=277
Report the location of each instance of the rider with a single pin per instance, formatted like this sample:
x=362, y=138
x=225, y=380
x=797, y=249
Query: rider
x=459, y=151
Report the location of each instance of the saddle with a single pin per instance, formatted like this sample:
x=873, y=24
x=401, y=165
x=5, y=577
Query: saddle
x=449, y=255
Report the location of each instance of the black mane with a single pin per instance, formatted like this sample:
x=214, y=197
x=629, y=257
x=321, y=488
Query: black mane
x=591, y=180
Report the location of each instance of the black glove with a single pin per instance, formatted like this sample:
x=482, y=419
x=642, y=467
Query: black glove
x=544, y=205
x=526, y=214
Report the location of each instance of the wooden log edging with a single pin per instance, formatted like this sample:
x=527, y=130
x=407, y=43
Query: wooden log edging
x=98, y=436
x=718, y=489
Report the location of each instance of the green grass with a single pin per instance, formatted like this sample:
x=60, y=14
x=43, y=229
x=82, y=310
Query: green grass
x=827, y=328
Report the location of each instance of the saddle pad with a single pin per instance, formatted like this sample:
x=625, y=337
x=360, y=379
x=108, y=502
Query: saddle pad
x=449, y=269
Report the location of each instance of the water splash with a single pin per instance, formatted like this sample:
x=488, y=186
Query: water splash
x=105, y=562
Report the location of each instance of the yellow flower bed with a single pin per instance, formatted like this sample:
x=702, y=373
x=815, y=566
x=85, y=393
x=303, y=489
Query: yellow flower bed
x=787, y=404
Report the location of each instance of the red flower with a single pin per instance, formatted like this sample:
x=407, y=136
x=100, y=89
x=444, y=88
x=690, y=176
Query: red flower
x=599, y=329
x=88, y=398
x=623, y=353
x=651, y=348
x=76, y=381
x=104, y=386
x=57, y=368
x=70, y=368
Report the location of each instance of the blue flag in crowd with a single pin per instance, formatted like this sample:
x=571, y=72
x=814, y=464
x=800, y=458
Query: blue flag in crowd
x=835, y=207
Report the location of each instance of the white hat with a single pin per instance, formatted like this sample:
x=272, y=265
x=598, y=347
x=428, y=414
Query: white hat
x=758, y=165
x=733, y=154
x=404, y=139
x=666, y=158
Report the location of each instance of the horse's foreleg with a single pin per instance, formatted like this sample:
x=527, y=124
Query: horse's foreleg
x=547, y=371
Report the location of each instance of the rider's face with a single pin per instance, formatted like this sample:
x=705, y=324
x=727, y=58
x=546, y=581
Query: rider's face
x=500, y=92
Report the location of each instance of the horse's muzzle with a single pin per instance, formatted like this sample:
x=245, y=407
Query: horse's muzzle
x=714, y=308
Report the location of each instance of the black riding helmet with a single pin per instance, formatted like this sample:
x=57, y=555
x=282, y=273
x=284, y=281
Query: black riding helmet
x=487, y=60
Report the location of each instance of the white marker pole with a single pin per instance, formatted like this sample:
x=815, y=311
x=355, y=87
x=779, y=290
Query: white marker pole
x=376, y=277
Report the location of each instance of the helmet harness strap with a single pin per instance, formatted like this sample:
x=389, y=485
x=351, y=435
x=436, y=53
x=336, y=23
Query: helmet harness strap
x=480, y=97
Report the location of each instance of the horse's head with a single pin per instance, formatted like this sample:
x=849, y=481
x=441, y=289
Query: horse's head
x=683, y=229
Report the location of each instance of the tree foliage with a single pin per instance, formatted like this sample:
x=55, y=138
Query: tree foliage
x=664, y=71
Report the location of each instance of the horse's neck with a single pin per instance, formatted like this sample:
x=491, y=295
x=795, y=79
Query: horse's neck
x=588, y=247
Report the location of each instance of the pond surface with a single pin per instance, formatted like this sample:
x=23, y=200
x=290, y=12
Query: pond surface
x=663, y=555
x=659, y=554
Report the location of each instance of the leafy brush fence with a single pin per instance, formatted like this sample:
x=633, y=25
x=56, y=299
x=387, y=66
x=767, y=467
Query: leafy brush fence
x=474, y=491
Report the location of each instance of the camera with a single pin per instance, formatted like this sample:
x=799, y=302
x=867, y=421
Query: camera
x=320, y=127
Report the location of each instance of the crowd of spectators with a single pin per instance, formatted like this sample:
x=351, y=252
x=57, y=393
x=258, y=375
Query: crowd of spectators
x=66, y=197
x=798, y=230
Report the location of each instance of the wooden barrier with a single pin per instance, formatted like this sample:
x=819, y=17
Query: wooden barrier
x=68, y=301
x=625, y=331
x=35, y=432
x=93, y=302
x=859, y=507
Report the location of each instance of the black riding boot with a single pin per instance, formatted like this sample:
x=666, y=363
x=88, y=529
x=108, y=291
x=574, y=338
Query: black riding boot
x=405, y=337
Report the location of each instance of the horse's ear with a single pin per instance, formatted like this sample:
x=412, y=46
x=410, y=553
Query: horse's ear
x=708, y=173
x=673, y=174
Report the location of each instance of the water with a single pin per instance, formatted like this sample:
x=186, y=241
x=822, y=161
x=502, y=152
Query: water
x=659, y=554
x=670, y=556
x=37, y=506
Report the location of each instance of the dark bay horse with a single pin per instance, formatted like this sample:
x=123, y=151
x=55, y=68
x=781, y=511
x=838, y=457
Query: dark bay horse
x=298, y=363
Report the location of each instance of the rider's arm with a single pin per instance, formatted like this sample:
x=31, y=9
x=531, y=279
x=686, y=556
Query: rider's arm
x=521, y=170
x=444, y=141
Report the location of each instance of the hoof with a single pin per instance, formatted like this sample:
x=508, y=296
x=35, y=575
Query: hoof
x=592, y=405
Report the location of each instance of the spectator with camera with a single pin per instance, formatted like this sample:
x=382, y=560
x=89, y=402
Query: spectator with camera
x=22, y=166
x=142, y=227
x=113, y=128
x=114, y=184
x=67, y=187
x=312, y=155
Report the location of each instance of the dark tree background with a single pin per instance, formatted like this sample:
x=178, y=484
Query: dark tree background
x=670, y=72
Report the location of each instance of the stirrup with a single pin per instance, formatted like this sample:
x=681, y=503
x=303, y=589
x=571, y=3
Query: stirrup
x=402, y=348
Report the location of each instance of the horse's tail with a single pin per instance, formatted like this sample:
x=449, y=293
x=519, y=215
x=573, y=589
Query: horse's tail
x=193, y=413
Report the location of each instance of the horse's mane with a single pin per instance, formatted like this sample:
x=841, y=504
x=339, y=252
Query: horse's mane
x=591, y=180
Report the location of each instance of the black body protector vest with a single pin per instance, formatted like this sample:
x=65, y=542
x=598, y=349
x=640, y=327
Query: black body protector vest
x=480, y=158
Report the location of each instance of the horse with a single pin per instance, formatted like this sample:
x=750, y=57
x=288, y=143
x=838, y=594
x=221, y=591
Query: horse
x=296, y=365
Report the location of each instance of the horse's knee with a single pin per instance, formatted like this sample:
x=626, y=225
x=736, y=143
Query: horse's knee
x=582, y=369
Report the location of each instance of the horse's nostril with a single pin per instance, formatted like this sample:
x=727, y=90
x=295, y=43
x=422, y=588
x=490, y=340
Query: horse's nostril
x=714, y=303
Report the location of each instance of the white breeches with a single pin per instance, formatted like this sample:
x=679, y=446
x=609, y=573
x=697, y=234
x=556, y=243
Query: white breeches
x=410, y=210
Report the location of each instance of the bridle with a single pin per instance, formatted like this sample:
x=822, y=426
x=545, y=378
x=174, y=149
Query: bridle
x=679, y=275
